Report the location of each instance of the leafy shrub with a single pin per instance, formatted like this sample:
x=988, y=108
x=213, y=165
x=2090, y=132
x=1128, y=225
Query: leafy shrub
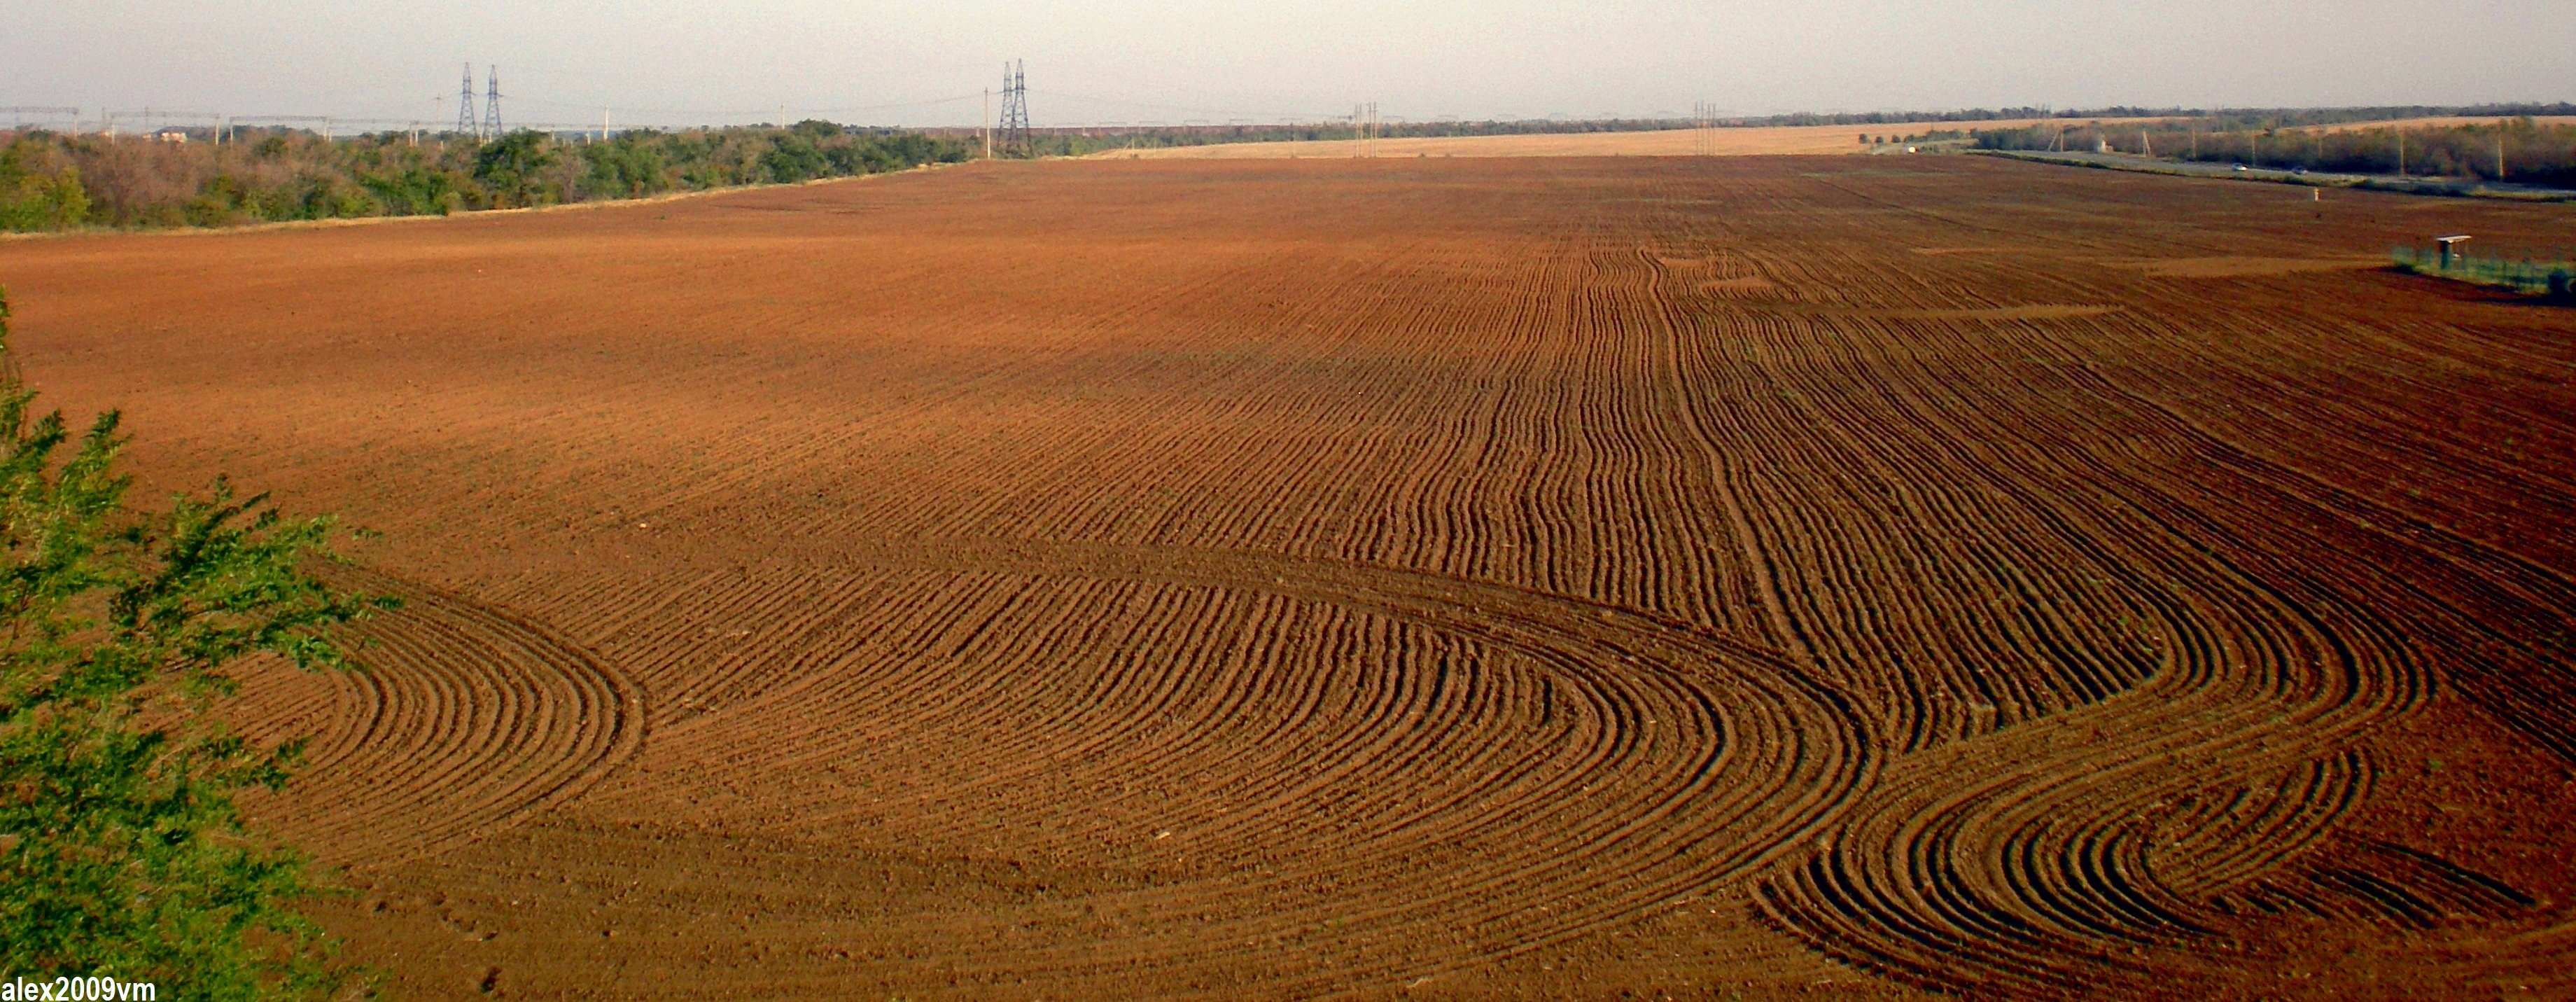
x=121, y=850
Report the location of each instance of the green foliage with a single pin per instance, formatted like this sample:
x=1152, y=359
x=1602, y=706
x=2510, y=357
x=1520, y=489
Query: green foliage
x=278, y=176
x=121, y=850
x=630, y=166
x=513, y=165
x=35, y=199
x=418, y=191
x=2542, y=277
x=791, y=158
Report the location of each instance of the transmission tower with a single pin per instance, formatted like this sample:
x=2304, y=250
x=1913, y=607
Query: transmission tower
x=492, y=105
x=465, y=124
x=1016, y=140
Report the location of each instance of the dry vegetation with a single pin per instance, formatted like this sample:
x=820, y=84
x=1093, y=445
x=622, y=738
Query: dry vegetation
x=1438, y=578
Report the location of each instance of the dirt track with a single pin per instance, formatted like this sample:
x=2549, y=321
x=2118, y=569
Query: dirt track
x=1552, y=577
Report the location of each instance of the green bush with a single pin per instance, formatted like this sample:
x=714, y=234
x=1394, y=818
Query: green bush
x=513, y=167
x=2537, y=277
x=36, y=199
x=121, y=851
x=630, y=166
x=416, y=191
x=791, y=158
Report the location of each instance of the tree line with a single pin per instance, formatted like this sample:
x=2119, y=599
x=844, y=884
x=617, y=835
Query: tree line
x=2517, y=150
x=51, y=180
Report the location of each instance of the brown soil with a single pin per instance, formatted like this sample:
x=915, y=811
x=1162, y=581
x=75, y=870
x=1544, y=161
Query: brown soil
x=1544, y=578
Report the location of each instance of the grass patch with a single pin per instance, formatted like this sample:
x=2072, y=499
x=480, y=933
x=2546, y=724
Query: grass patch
x=2550, y=278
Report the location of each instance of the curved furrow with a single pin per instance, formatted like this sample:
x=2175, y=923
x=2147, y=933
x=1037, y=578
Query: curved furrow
x=2013, y=852
x=1999, y=841
x=465, y=720
x=1570, y=763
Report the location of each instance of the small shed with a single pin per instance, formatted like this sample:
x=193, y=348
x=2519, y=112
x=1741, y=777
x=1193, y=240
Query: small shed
x=2450, y=247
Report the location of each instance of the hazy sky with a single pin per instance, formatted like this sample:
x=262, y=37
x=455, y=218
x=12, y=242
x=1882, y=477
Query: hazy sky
x=669, y=62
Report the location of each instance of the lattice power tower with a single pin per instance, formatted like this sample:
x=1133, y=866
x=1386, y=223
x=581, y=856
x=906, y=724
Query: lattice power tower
x=465, y=123
x=492, y=106
x=1015, y=137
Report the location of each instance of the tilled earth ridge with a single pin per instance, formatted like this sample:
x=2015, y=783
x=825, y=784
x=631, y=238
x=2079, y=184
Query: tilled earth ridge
x=1449, y=578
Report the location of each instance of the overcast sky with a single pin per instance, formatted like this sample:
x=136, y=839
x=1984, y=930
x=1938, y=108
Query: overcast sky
x=672, y=62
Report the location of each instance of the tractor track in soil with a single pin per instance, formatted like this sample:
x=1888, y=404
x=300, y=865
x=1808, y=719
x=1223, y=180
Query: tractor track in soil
x=467, y=720
x=1678, y=760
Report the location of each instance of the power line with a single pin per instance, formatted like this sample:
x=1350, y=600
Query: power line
x=1227, y=112
x=18, y=115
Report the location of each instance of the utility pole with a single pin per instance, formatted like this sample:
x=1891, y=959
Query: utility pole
x=2499, y=155
x=603, y=125
x=492, y=105
x=465, y=123
x=988, y=123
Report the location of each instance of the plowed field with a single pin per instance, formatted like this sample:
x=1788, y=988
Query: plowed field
x=1431, y=578
x=1804, y=140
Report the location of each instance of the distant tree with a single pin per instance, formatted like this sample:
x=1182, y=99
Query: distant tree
x=221, y=201
x=32, y=198
x=792, y=157
x=417, y=190
x=121, y=851
x=512, y=167
x=626, y=167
